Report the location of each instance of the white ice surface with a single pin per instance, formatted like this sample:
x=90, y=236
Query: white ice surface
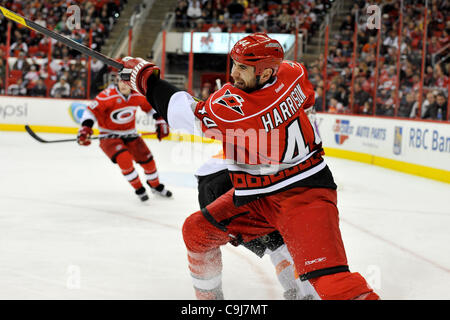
x=72, y=228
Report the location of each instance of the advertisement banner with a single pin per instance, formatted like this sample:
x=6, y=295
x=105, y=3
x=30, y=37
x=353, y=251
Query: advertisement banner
x=64, y=113
x=222, y=42
x=423, y=143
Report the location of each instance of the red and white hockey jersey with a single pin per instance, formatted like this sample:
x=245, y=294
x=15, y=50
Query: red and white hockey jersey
x=116, y=113
x=269, y=143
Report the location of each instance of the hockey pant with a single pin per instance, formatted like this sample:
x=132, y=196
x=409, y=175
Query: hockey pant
x=307, y=219
x=124, y=151
x=211, y=187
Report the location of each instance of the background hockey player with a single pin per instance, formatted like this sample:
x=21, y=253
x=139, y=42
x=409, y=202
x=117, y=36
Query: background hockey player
x=280, y=177
x=114, y=109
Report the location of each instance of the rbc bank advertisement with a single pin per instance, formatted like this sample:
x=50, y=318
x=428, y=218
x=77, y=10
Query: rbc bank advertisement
x=418, y=142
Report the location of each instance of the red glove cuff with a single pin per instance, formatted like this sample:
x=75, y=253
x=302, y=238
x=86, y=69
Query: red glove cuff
x=142, y=78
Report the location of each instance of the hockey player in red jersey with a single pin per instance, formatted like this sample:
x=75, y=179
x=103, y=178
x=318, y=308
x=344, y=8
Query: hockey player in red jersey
x=213, y=181
x=275, y=160
x=114, y=109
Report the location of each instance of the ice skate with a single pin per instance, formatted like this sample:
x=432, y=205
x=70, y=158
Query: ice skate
x=142, y=194
x=161, y=191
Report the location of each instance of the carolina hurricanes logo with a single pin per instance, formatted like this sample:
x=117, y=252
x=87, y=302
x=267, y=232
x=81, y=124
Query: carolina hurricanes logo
x=123, y=115
x=231, y=101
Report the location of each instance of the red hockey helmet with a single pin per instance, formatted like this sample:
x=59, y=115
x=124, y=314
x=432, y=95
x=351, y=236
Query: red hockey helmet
x=259, y=51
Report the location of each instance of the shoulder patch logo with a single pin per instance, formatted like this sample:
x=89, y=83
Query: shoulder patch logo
x=231, y=101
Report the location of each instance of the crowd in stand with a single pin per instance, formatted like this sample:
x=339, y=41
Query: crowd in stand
x=32, y=71
x=436, y=71
x=282, y=16
x=287, y=16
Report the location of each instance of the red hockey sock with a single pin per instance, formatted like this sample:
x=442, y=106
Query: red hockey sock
x=202, y=241
x=151, y=174
x=125, y=162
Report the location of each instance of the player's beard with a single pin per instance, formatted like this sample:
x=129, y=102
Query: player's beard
x=242, y=85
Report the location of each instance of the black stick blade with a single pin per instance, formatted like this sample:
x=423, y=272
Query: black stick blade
x=35, y=136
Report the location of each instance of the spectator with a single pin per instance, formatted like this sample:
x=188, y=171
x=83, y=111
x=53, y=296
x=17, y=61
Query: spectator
x=386, y=108
x=31, y=76
x=285, y=21
x=229, y=26
x=388, y=79
x=369, y=46
x=17, y=89
x=21, y=63
x=343, y=95
x=347, y=27
x=335, y=106
x=248, y=28
x=205, y=92
x=437, y=110
x=40, y=20
x=318, y=103
x=238, y=27
x=431, y=98
x=60, y=65
x=215, y=27
x=440, y=79
x=78, y=90
x=429, y=76
x=433, y=46
x=181, y=19
x=199, y=25
x=106, y=20
x=61, y=89
x=405, y=109
x=332, y=92
x=96, y=65
x=194, y=12
x=415, y=108
x=367, y=108
x=444, y=39
x=98, y=68
x=391, y=40
x=407, y=79
x=20, y=46
x=261, y=18
x=39, y=89
x=360, y=96
x=236, y=10
x=47, y=73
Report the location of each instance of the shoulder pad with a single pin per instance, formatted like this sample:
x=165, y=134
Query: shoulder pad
x=288, y=64
x=108, y=92
x=227, y=103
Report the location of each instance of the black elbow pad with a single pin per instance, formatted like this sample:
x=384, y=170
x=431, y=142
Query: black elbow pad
x=158, y=95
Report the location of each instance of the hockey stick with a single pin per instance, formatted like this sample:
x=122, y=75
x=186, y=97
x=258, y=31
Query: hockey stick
x=35, y=136
x=67, y=41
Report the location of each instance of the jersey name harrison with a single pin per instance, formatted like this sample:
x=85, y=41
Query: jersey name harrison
x=286, y=109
